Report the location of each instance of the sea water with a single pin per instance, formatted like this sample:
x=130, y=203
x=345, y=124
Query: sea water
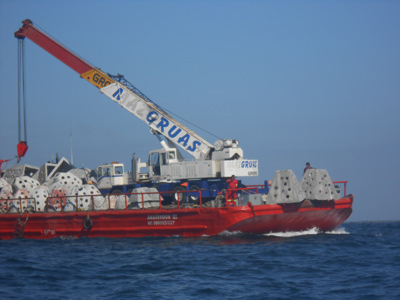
x=355, y=261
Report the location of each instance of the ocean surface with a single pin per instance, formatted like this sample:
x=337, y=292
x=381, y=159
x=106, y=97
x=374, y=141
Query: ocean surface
x=359, y=260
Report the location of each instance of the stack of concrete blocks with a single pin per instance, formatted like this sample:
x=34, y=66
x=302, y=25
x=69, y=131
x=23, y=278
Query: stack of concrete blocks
x=285, y=189
x=49, y=170
x=20, y=204
x=121, y=201
x=112, y=200
x=61, y=187
x=317, y=185
x=84, y=195
x=65, y=179
x=82, y=174
x=6, y=193
x=5, y=187
x=18, y=171
x=55, y=186
x=38, y=203
x=57, y=197
x=151, y=198
x=67, y=189
x=25, y=183
x=82, y=199
x=43, y=174
x=100, y=202
x=23, y=188
x=30, y=189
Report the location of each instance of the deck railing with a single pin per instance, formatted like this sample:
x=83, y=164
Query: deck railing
x=344, y=182
x=128, y=201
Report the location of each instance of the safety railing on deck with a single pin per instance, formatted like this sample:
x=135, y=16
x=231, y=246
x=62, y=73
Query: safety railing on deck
x=130, y=201
x=252, y=189
x=344, y=186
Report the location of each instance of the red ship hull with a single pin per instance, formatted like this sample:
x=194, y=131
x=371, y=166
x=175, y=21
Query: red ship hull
x=187, y=222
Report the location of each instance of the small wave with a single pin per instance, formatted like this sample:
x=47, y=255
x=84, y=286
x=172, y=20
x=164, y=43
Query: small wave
x=288, y=234
x=230, y=233
x=340, y=230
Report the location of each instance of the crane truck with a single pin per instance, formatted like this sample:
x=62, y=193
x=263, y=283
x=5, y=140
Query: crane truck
x=167, y=170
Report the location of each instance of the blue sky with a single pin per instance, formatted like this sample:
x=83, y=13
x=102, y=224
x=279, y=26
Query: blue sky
x=293, y=81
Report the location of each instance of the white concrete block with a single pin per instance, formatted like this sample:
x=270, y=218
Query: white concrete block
x=317, y=185
x=285, y=188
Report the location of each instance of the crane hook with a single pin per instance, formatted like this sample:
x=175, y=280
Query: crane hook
x=22, y=147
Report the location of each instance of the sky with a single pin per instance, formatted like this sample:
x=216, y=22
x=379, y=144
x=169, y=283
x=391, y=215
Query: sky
x=292, y=81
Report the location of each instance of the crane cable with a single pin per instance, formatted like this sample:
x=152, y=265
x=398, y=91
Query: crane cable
x=22, y=146
x=187, y=121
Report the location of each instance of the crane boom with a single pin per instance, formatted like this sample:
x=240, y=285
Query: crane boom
x=50, y=45
x=146, y=110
